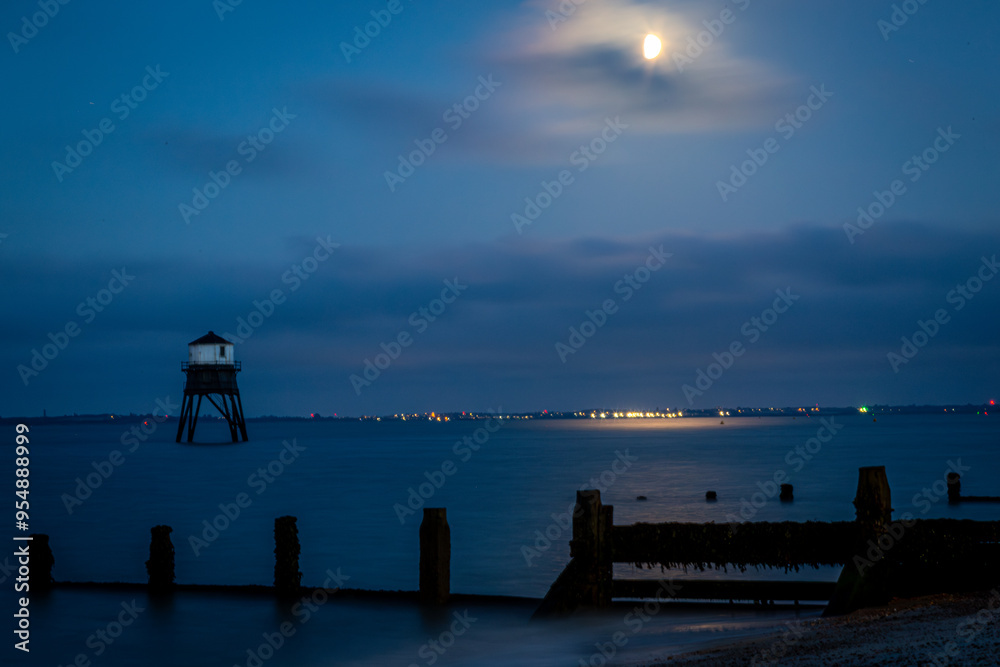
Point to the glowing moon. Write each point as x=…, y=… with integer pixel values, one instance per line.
x=651, y=47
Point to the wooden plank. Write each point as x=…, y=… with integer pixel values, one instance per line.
x=780, y=545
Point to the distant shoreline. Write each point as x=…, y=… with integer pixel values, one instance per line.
x=604, y=414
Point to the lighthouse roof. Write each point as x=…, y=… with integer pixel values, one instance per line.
x=211, y=338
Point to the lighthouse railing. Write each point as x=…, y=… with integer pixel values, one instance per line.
x=229, y=365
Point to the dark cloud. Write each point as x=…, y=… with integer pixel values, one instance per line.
x=558, y=86
x=193, y=151
x=568, y=74
x=378, y=107
x=606, y=80
x=523, y=295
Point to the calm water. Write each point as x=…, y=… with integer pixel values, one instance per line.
x=345, y=478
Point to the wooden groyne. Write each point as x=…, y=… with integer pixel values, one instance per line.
x=881, y=558
x=434, y=567
x=955, y=492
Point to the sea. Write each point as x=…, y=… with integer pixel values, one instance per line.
x=357, y=489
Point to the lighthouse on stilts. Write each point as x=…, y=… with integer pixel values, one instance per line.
x=211, y=371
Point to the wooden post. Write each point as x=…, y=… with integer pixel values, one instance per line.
x=865, y=583
x=287, y=578
x=587, y=581
x=40, y=578
x=604, y=556
x=435, y=556
x=160, y=566
x=591, y=548
x=954, y=487
x=873, y=501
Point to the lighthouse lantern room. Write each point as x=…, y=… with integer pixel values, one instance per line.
x=211, y=371
x=210, y=349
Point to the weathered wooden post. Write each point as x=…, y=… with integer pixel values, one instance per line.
x=591, y=548
x=40, y=577
x=287, y=578
x=605, y=553
x=435, y=556
x=864, y=580
x=954, y=487
x=160, y=566
x=587, y=580
x=873, y=501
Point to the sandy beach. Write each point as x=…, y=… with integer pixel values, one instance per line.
x=937, y=630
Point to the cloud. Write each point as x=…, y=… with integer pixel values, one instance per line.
x=571, y=73
x=560, y=82
x=378, y=106
x=192, y=150
x=496, y=343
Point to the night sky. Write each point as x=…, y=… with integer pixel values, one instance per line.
x=508, y=169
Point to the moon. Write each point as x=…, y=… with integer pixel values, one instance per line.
x=651, y=46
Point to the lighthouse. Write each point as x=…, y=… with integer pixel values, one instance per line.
x=211, y=371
